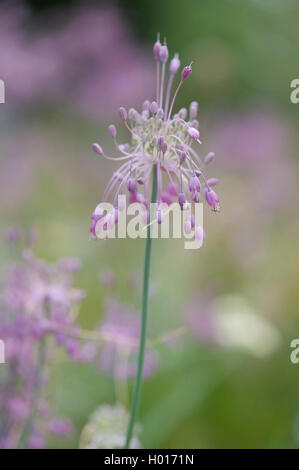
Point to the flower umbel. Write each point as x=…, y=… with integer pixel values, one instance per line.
x=160, y=142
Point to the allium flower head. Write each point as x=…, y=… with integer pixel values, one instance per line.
x=160, y=141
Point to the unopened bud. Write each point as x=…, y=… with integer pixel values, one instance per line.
x=194, y=184
x=193, y=133
x=193, y=110
x=133, y=114
x=181, y=200
x=212, y=199
x=112, y=130
x=154, y=107
x=183, y=113
x=174, y=65
x=97, y=149
x=156, y=49
x=122, y=113
x=131, y=185
x=209, y=157
x=163, y=54
x=186, y=72
x=146, y=105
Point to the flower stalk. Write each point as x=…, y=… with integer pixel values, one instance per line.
x=144, y=316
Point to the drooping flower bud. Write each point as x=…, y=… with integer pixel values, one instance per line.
x=174, y=65
x=112, y=130
x=186, y=71
x=193, y=133
x=212, y=199
x=122, y=113
x=131, y=185
x=193, y=110
x=163, y=54
x=194, y=184
x=182, y=200
x=97, y=149
x=209, y=157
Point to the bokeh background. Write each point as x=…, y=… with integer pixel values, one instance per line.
x=226, y=380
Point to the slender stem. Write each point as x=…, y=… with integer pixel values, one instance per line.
x=146, y=277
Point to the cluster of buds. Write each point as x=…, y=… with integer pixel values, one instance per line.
x=160, y=142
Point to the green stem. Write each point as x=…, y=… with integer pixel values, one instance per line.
x=146, y=277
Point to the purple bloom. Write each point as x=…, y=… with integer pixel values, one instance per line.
x=36, y=300
x=160, y=142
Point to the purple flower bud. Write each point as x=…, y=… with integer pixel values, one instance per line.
x=97, y=149
x=213, y=181
x=156, y=49
x=186, y=71
x=146, y=105
x=197, y=172
x=193, y=110
x=122, y=113
x=140, y=181
x=163, y=54
x=112, y=130
x=183, y=113
x=181, y=200
x=195, y=124
x=192, y=221
x=209, y=157
x=193, y=133
x=133, y=115
x=174, y=65
x=194, y=184
x=154, y=107
x=212, y=199
x=131, y=185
